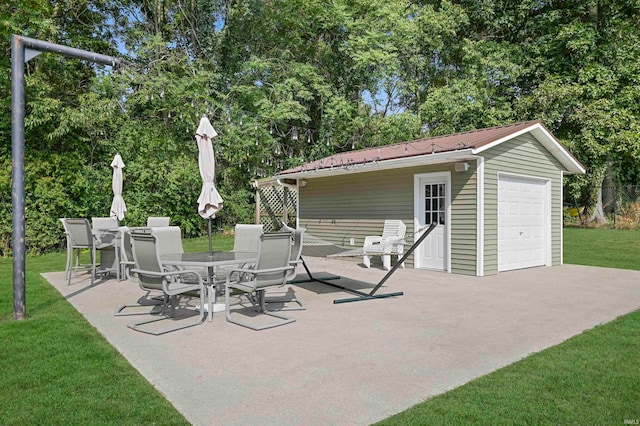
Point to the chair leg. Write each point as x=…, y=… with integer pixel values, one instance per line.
x=262, y=307
x=199, y=320
x=67, y=275
x=386, y=261
x=143, y=302
x=117, y=263
x=366, y=260
x=93, y=265
x=289, y=297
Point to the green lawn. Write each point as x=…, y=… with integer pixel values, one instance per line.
x=602, y=247
x=57, y=369
x=591, y=379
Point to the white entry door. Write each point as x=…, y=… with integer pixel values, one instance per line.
x=432, y=206
x=523, y=222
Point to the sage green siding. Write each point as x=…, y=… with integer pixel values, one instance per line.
x=338, y=208
x=464, y=223
x=525, y=156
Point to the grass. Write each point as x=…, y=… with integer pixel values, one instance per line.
x=602, y=247
x=57, y=369
x=589, y=379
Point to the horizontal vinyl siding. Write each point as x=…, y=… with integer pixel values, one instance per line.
x=464, y=221
x=340, y=231
x=337, y=208
x=382, y=195
x=523, y=155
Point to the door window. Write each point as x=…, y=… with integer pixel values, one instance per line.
x=434, y=203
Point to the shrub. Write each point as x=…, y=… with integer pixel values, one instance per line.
x=628, y=216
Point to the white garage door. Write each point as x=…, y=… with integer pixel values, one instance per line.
x=522, y=222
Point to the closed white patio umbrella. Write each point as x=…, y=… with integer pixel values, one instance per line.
x=210, y=201
x=118, y=206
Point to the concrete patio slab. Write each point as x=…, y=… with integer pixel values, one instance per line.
x=357, y=363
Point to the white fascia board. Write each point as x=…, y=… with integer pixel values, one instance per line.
x=548, y=141
x=396, y=163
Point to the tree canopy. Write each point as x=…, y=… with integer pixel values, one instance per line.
x=288, y=81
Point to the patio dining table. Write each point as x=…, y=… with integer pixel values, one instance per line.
x=210, y=261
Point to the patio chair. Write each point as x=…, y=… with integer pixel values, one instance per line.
x=107, y=236
x=294, y=260
x=153, y=277
x=246, y=238
x=390, y=243
x=168, y=240
x=126, y=253
x=272, y=269
x=79, y=237
x=158, y=221
x=100, y=224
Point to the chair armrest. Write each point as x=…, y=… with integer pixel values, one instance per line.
x=166, y=273
x=394, y=240
x=372, y=239
x=260, y=271
x=381, y=245
x=247, y=271
x=149, y=273
x=373, y=244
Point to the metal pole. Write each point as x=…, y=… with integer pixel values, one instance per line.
x=404, y=257
x=18, y=46
x=210, y=240
x=372, y=294
x=45, y=46
x=17, y=176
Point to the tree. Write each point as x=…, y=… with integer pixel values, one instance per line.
x=56, y=144
x=589, y=95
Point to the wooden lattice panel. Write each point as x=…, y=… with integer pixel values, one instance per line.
x=280, y=201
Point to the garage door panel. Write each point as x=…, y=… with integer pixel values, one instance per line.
x=522, y=207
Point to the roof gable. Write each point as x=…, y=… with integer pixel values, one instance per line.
x=439, y=149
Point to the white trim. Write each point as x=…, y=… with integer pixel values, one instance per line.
x=480, y=216
x=435, y=176
x=547, y=219
x=548, y=141
x=561, y=219
x=504, y=139
x=298, y=203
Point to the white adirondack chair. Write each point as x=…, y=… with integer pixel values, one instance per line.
x=391, y=242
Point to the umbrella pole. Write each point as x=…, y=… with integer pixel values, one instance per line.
x=210, y=239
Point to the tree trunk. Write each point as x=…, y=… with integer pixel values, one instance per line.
x=608, y=189
x=598, y=213
x=598, y=181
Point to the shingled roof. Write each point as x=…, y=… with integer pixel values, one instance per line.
x=435, y=149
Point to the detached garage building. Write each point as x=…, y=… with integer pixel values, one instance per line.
x=495, y=193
